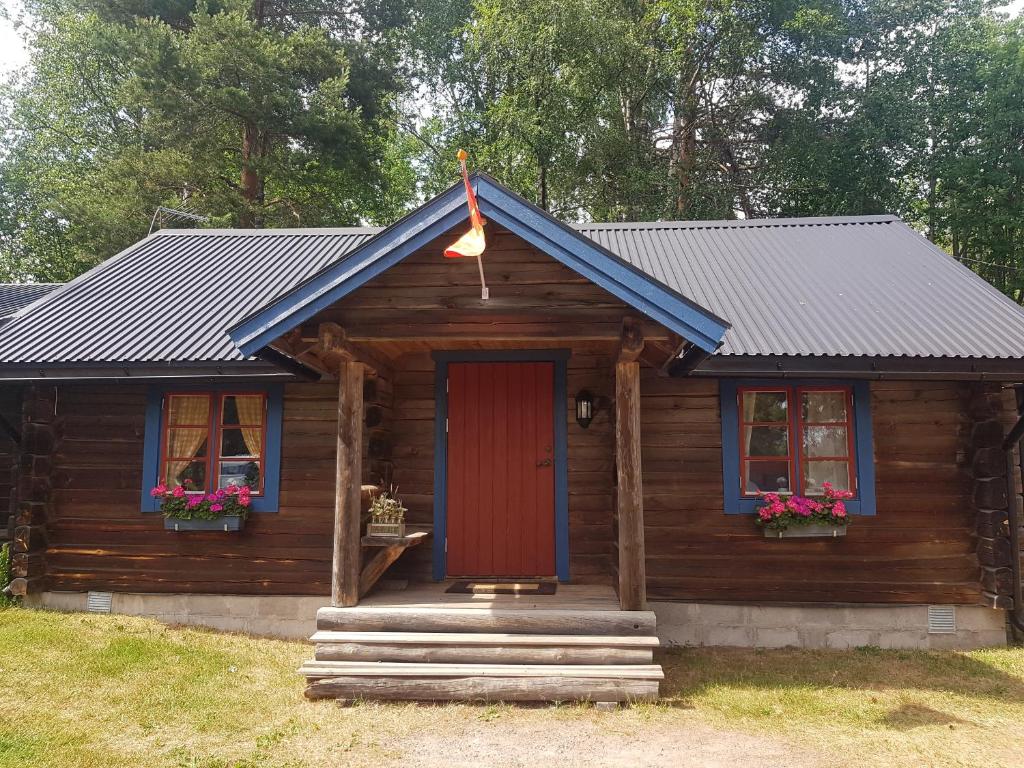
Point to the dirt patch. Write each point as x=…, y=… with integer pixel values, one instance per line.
x=606, y=741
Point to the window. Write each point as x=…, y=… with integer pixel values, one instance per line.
x=205, y=440
x=793, y=438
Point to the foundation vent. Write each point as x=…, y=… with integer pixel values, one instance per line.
x=98, y=602
x=941, y=619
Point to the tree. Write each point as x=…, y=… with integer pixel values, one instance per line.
x=246, y=112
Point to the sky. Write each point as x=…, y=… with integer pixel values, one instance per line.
x=13, y=54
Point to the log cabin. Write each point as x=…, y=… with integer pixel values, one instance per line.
x=582, y=455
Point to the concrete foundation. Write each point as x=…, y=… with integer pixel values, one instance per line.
x=286, y=616
x=679, y=624
x=824, y=626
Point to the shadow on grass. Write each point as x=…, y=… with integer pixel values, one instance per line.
x=910, y=716
x=691, y=672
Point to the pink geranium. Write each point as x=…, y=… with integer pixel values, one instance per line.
x=178, y=492
x=779, y=512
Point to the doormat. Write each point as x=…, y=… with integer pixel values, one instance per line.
x=503, y=588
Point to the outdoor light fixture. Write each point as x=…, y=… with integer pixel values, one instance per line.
x=584, y=408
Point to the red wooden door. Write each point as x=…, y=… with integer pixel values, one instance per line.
x=501, y=475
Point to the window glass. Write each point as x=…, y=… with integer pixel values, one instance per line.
x=765, y=476
x=823, y=407
x=826, y=441
x=190, y=474
x=766, y=441
x=815, y=473
x=765, y=407
x=193, y=410
x=239, y=473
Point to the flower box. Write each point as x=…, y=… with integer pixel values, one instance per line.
x=226, y=523
x=385, y=530
x=812, y=531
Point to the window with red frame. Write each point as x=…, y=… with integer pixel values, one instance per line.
x=794, y=439
x=212, y=440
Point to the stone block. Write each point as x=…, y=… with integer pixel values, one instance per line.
x=735, y=636
x=845, y=639
x=774, y=637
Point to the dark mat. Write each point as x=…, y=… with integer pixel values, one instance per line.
x=503, y=588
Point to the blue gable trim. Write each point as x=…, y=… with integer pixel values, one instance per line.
x=269, y=501
x=579, y=253
x=863, y=435
x=560, y=358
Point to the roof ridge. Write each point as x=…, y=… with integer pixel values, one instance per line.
x=272, y=231
x=799, y=221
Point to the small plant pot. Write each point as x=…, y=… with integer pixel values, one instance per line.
x=385, y=530
x=226, y=523
x=812, y=531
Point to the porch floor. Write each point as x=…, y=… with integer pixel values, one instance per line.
x=568, y=597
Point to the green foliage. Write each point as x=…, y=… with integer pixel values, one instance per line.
x=5, y=574
x=283, y=113
x=253, y=120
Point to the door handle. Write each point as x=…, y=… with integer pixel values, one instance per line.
x=544, y=463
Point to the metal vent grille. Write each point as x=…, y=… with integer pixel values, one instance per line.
x=99, y=602
x=941, y=619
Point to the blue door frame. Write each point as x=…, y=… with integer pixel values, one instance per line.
x=441, y=360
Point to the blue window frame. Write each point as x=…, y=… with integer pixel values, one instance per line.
x=270, y=471
x=739, y=497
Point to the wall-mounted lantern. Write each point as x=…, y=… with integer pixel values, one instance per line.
x=584, y=408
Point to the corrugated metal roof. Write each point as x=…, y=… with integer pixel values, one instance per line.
x=864, y=286
x=14, y=296
x=171, y=297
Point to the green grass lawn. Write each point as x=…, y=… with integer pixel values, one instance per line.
x=85, y=690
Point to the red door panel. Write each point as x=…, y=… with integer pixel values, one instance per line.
x=501, y=474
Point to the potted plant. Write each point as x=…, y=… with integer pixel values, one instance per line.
x=783, y=516
x=387, y=516
x=223, y=510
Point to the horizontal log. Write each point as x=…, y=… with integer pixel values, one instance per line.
x=483, y=689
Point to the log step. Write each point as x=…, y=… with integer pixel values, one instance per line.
x=459, y=648
x=474, y=688
x=482, y=638
x=489, y=620
x=325, y=669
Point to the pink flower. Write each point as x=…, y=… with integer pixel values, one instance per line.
x=216, y=507
x=159, y=490
x=220, y=493
x=178, y=492
x=245, y=501
x=194, y=501
x=232, y=489
x=839, y=510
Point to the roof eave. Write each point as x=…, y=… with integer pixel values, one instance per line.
x=862, y=367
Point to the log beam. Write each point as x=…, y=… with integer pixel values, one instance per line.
x=629, y=498
x=347, y=561
x=631, y=340
x=334, y=345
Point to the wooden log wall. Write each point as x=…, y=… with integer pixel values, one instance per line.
x=991, y=494
x=98, y=538
x=10, y=410
x=41, y=429
x=919, y=548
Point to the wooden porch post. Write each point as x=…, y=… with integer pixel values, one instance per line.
x=348, y=487
x=630, y=504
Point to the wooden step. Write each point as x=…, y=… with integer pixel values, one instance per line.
x=464, y=647
x=318, y=669
x=482, y=682
x=470, y=688
x=487, y=620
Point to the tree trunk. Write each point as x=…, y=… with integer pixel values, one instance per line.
x=254, y=143
x=684, y=143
